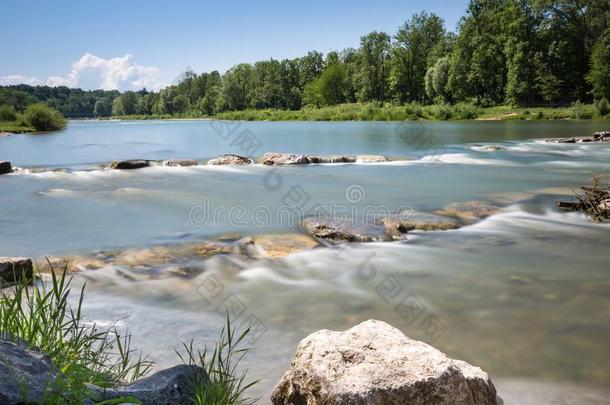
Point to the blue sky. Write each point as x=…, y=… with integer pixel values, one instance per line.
x=125, y=44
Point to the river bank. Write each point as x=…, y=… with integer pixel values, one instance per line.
x=413, y=112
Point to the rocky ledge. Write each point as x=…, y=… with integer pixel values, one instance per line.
x=180, y=162
x=12, y=269
x=230, y=160
x=376, y=364
x=27, y=375
x=129, y=164
x=603, y=136
x=5, y=167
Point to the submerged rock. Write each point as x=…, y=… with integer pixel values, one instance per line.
x=337, y=230
x=25, y=374
x=129, y=164
x=5, y=167
x=209, y=249
x=13, y=269
x=282, y=245
x=597, y=137
x=230, y=160
x=396, y=225
x=376, y=364
x=180, y=162
x=371, y=159
x=271, y=159
x=332, y=159
x=469, y=211
x=171, y=386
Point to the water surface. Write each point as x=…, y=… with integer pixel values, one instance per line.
x=525, y=294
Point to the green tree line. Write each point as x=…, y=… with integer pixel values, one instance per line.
x=518, y=52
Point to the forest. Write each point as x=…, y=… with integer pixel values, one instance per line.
x=504, y=52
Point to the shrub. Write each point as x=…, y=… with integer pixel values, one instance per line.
x=465, y=111
x=442, y=112
x=43, y=118
x=7, y=113
x=602, y=106
x=582, y=112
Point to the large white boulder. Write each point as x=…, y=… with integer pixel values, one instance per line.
x=376, y=364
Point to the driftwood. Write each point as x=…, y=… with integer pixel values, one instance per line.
x=595, y=201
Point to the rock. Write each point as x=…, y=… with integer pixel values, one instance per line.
x=605, y=205
x=209, y=249
x=376, y=364
x=487, y=148
x=371, y=159
x=13, y=269
x=180, y=162
x=70, y=263
x=277, y=246
x=230, y=160
x=271, y=159
x=469, y=211
x=602, y=136
x=144, y=257
x=337, y=230
x=129, y=164
x=397, y=225
x=25, y=374
x=5, y=167
x=332, y=159
x=171, y=386
x=597, y=137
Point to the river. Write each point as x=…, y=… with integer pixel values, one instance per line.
x=524, y=293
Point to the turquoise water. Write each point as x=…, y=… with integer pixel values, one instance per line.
x=525, y=294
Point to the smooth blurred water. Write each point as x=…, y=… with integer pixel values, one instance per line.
x=524, y=294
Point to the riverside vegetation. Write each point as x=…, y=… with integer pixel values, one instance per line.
x=41, y=317
x=505, y=58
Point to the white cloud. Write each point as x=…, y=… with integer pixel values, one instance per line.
x=93, y=72
x=19, y=79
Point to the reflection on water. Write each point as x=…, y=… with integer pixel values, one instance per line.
x=525, y=294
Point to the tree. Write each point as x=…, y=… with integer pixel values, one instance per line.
x=329, y=88
x=180, y=104
x=415, y=41
x=237, y=87
x=372, y=76
x=599, y=76
x=117, y=106
x=102, y=108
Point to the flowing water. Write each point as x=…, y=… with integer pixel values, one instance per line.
x=524, y=294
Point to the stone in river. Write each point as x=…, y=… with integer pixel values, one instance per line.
x=5, y=167
x=338, y=230
x=376, y=364
x=129, y=164
x=396, y=225
x=271, y=159
x=281, y=245
x=230, y=160
x=469, y=211
x=371, y=159
x=332, y=159
x=13, y=269
x=180, y=162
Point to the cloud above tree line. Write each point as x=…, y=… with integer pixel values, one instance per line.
x=92, y=72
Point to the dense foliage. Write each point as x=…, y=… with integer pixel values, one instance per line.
x=43, y=118
x=520, y=52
